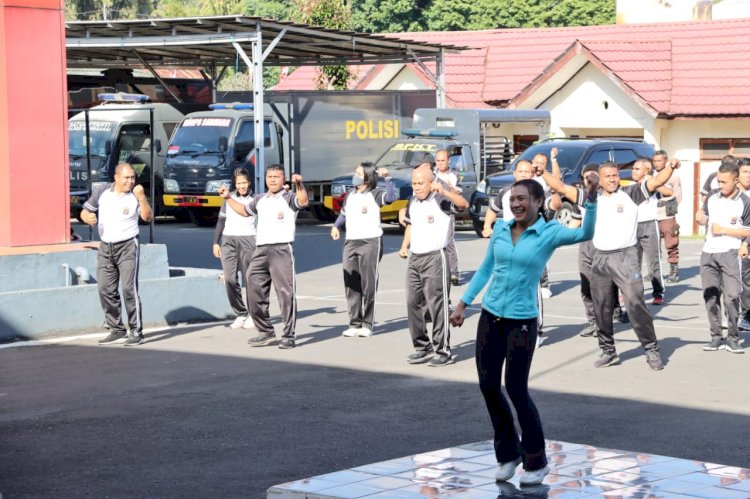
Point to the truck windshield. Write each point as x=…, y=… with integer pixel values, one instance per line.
x=400, y=154
x=200, y=135
x=99, y=131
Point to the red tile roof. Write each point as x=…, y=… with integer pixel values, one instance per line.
x=676, y=69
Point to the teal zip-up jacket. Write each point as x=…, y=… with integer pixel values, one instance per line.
x=515, y=270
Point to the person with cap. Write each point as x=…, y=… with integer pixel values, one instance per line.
x=428, y=216
x=363, y=249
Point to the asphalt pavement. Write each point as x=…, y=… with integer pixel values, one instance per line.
x=197, y=412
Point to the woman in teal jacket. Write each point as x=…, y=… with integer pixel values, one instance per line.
x=507, y=330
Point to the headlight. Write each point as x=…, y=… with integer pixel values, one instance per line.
x=338, y=189
x=482, y=186
x=214, y=185
x=171, y=186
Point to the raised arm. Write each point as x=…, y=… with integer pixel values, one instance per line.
x=663, y=176
x=301, y=192
x=233, y=203
x=557, y=185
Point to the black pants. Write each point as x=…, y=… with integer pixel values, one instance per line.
x=236, y=255
x=118, y=262
x=361, y=259
x=510, y=343
x=745, y=295
x=427, y=290
x=721, y=275
x=273, y=263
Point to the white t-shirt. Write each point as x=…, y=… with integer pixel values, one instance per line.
x=118, y=213
x=617, y=217
x=430, y=221
x=276, y=217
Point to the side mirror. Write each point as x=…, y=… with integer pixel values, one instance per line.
x=157, y=145
x=108, y=148
x=223, y=144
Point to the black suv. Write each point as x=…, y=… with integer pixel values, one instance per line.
x=572, y=156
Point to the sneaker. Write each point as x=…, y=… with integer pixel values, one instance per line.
x=262, y=339
x=505, y=471
x=113, y=336
x=624, y=317
x=744, y=324
x=364, y=332
x=420, y=357
x=135, y=339
x=533, y=477
x=546, y=293
x=607, y=359
x=441, y=360
x=287, y=343
x=658, y=300
x=539, y=340
x=653, y=359
x=238, y=322
x=350, y=332
x=455, y=280
x=248, y=324
x=733, y=345
x=589, y=330
x=716, y=343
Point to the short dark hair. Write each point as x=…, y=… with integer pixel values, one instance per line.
x=743, y=162
x=535, y=189
x=591, y=167
x=661, y=152
x=729, y=167
x=608, y=164
x=369, y=175
x=275, y=168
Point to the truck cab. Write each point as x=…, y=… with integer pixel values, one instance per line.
x=119, y=130
x=205, y=149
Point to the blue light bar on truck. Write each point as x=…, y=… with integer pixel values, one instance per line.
x=123, y=97
x=442, y=134
x=233, y=105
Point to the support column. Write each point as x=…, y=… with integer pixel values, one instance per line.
x=34, y=201
x=258, y=111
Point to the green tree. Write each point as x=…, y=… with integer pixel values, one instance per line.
x=389, y=16
x=86, y=10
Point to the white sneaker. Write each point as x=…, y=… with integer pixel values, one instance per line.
x=505, y=471
x=546, y=293
x=238, y=322
x=364, y=332
x=533, y=477
x=248, y=324
x=350, y=332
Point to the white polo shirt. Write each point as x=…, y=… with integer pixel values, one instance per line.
x=430, y=220
x=118, y=213
x=362, y=212
x=448, y=178
x=276, y=217
x=733, y=213
x=235, y=224
x=617, y=217
x=647, y=209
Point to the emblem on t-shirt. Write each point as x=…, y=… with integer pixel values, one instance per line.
x=364, y=210
x=733, y=221
x=430, y=219
x=280, y=215
x=126, y=211
x=620, y=208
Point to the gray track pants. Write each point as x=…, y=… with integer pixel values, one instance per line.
x=116, y=263
x=450, y=249
x=720, y=274
x=360, y=262
x=622, y=269
x=649, y=245
x=745, y=295
x=236, y=255
x=273, y=263
x=427, y=289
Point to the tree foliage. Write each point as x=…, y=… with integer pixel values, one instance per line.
x=389, y=16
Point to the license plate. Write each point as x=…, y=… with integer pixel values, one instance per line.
x=190, y=199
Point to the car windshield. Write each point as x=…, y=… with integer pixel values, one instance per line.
x=199, y=135
x=568, y=154
x=400, y=154
x=99, y=132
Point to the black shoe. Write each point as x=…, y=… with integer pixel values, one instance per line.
x=624, y=317
x=262, y=339
x=455, y=280
x=134, y=339
x=674, y=273
x=606, y=360
x=113, y=336
x=441, y=360
x=717, y=343
x=287, y=343
x=420, y=357
x=589, y=330
x=733, y=345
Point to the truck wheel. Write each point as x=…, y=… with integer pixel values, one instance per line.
x=322, y=213
x=478, y=227
x=203, y=217
x=565, y=214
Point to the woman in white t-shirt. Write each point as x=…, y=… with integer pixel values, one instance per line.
x=234, y=243
x=363, y=249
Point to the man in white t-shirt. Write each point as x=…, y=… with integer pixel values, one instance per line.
x=444, y=174
x=115, y=208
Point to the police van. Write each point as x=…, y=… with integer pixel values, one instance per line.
x=115, y=131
